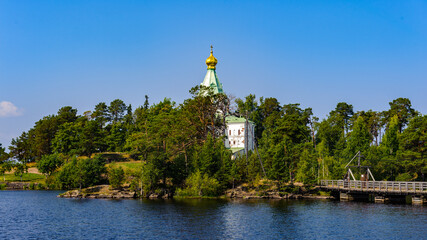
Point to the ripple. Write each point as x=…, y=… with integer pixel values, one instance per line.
x=40, y=215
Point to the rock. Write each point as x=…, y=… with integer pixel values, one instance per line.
x=100, y=191
x=153, y=196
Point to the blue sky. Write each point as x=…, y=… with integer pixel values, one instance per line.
x=316, y=53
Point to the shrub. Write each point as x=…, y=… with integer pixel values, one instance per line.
x=404, y=177
x=81, y=173
x=49, y=163
x=198, y=185
x=116, y=176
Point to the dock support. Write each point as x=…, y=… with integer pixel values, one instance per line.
x=346, y=197
x=381, y=199
x=418, y=200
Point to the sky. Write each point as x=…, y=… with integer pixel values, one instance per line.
x=316, y=53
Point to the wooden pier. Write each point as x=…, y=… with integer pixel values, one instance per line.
x=381, y=191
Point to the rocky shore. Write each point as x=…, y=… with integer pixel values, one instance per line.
x=264, y=190
x=19, y=185
x=105, y=191
x=244, y=192
x=100, y=191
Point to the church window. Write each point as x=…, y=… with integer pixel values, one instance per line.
x=230, y=132
x=238, y=133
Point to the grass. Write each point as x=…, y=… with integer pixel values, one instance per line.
x=26, y=177
x=322, y=193
x=127, y=165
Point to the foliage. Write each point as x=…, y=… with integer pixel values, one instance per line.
x=81, y=173
x=150, y=175
x=48, y=164
x=116, y=176
x=181, y=146
x=200, y=185
x=5, y=164
x=405, y=177
x=20, y=169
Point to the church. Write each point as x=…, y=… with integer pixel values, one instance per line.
x=236, y=130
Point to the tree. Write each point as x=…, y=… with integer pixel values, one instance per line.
x=117, y=137
x=283, y=147
x=81, y=173
x=116, y=176
x=414, y=137
x=390, y=139
x=343, y=112
x=146, y=104
x=66, y=114
x=41, y=135
x=101, y=114
x=402, y=108
x=198, y=184
x=3, y=154
x=48, y=164
x=359, y=139
x=307, y=167
x=149, y=177
x=5, y=164
x=268, y=110
x=332, y=131
x=20, y=168
x=117, y=109
x=208, y=158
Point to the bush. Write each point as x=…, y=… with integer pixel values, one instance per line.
x=3, y=186
x=49, y=163
x=200, y=186
x=116, y=176
x=404, y=177
x=81, y=173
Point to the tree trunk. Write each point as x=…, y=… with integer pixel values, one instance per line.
x=186, y=161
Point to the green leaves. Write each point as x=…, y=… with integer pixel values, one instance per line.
x=81, y=173
x=116, y=176
x=200, y=185
x=48, y=164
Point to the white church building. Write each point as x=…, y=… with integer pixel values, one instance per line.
x=236, y=130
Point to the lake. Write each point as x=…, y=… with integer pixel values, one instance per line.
x=41, y=215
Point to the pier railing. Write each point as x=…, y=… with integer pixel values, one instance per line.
x=376, y=186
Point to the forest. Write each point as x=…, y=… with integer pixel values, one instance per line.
x=181, y=146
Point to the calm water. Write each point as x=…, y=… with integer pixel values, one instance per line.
x=40, y=215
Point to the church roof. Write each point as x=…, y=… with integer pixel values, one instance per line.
x=234, y=119
x=211, y=79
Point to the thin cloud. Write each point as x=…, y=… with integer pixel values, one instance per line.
x=8, y=109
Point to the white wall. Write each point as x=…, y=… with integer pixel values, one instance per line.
x=236, y=135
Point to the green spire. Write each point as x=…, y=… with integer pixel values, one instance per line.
x=211, y=79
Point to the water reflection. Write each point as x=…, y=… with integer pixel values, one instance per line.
x=40, y=215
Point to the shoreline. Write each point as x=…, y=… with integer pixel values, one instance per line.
x=105, y=192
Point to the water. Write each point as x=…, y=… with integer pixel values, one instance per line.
x=40, y=215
